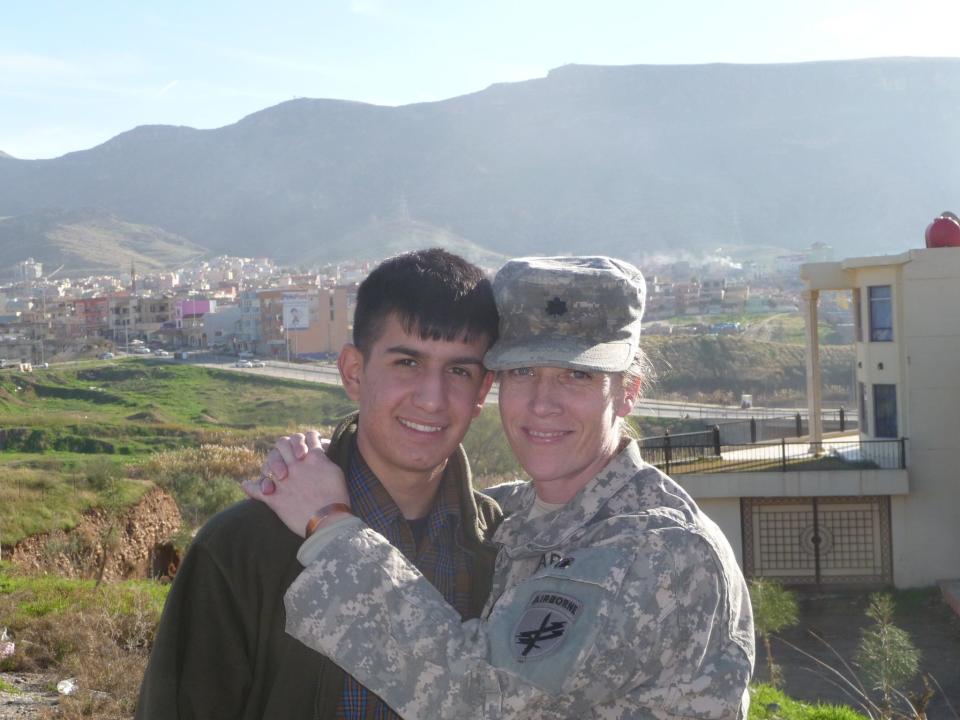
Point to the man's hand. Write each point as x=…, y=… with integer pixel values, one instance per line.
x=309, y=481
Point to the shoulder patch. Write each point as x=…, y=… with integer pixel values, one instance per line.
x=544, y=624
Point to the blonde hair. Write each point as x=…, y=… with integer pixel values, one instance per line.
x=636, y=380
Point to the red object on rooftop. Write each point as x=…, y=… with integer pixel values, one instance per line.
x=944, y=231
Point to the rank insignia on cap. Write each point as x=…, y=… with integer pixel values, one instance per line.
x=556, y=307
x=543, y=625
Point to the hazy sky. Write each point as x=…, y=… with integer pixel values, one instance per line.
x=74, y=74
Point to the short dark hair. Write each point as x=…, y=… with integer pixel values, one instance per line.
x=433, y=292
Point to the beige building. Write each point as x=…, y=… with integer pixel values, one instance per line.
x=908, y=386
x=877, y=508
x=329, y=327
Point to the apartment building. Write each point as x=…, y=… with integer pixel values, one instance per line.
x=329, y=322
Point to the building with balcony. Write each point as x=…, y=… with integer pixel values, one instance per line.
x=879, y=506
x=907, y=343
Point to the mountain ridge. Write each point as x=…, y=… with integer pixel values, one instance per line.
x=627, y=160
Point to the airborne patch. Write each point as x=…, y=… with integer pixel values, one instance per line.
x=543, y=625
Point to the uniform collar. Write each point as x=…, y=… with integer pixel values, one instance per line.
x=520, y=536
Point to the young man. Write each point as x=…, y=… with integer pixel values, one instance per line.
x=422, y=325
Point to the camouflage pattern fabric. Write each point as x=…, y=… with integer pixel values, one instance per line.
x=577, y=312
x=625, y=603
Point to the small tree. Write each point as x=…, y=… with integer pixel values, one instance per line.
x=886, y=653
x=774, y=608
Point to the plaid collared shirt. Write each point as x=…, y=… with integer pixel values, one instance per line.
x=440, y=558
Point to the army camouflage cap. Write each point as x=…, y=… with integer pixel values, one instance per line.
x=578, y=312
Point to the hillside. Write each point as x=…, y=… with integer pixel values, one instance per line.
x=88, y=242
x=65, y=431
x=621, y=160
x=726, y=366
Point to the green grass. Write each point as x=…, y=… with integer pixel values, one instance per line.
x=38, y=501
x=29, y=597
x=768, y=703
x=721, y=368
x=8, y=688
x=164, y=398
x=67, y=429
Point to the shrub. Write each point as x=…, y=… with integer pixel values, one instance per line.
x=886, y=653
x=774, y=608
x=102, y=473
x=202, y=480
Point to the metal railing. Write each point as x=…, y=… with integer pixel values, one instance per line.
x=692, y=457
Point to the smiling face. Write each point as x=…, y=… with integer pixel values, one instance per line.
x=562, y=424
x=416, y=399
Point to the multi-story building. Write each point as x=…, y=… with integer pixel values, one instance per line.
x=248, y=329
x=878, y=506
x=908, y=385
x=30, y=269
x=329, y=324
x=92, y=316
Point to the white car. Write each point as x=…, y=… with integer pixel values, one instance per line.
x=257, y=363
x=161, y=353
x=243, y=364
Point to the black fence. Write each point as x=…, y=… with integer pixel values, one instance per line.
x=759, y=429
x=689, y=453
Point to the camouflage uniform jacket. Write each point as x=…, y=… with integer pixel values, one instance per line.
x=625, y=603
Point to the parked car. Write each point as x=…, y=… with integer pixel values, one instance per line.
x=106, y=356
x=161, y=353
x=243, y=364
x=257, y=363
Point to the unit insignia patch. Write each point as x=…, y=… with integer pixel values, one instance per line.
x=543, y=625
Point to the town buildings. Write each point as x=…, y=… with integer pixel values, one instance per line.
x=227, y=304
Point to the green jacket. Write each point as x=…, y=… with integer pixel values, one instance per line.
x=221, y=650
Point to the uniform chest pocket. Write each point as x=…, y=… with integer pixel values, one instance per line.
x=545, y=629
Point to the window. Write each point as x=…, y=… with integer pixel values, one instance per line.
x=862, y=409
x=885, y=411
x=857, y=315
x=881, y=314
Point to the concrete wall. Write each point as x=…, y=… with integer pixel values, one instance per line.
x=806, y=483
x=725, y=512
x=930, y=330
